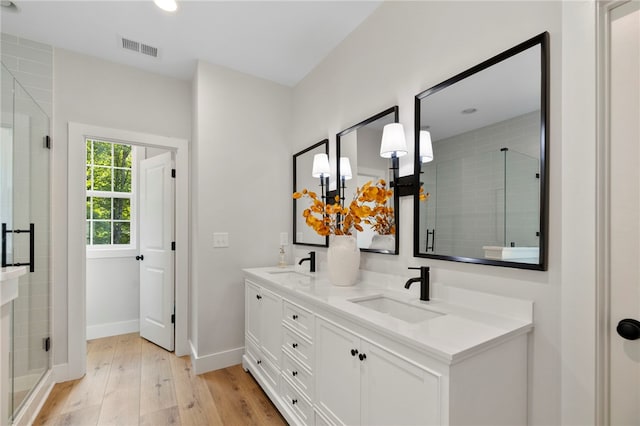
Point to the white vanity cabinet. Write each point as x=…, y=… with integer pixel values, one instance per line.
x=263, y=335
x=324, y=359
x=359, y=382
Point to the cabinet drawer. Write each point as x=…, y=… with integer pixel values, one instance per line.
x=298, y=375
x=297, y=403
x=299, y=319
x=298, y=347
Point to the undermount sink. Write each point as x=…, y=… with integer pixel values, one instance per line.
x=285, y=272
x=287, y=275
x=397, y=309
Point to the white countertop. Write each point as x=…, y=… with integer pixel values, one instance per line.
x=9, y=282
x=471, y=320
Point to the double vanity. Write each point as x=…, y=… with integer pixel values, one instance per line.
x=376, y=354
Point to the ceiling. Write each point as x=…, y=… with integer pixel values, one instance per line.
x=280, y=41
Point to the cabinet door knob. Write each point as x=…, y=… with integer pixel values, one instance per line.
x=294, y=401
x=294, y=373
x=259, y=362
x=294, y=345
x=354, y=352
x=362, y=357
x=295, y=317
x=258, y=297
x=629, y=329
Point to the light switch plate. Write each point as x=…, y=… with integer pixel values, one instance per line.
x=284, y=238
x=220, y=239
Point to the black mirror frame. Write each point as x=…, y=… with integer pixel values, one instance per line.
x=324, y=142
x=542, y=40
x=395, y=110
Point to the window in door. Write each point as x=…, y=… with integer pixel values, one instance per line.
x=110, y=195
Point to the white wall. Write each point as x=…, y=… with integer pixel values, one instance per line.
x=241, y=182
x=402, y=49
x=578, y=180
x=100, y=93
x=113, y=296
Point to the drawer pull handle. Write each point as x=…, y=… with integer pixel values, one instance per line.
x=294, y=373
x=294, y=401
x=354, y=352
x=294, y=345
x=259, y=362
x=295, y=317
x=362, y=357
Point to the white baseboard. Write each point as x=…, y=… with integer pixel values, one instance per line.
x=61, y=373
x=212, y=362
x=112, y=329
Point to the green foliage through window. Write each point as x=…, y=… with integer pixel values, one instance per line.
x=109, y=175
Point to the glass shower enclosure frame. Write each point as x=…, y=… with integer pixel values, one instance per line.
x=25, y=217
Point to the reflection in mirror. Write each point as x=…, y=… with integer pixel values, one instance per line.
x=360, y=145
x=302, y=178
x=487, y=179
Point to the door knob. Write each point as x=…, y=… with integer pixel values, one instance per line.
x=629, y=329
x=141, y=257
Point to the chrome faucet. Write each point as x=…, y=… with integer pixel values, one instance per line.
x=312, y=261
x=424, y=282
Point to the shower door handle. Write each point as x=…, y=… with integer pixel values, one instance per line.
x=32, y=236
x=433, y=239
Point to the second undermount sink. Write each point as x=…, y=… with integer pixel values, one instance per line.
x=396, y=308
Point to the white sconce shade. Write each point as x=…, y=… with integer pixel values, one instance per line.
x=345, y=168
x=426, y=149
x=393, y=141
x=320, y=166
x=167, y=5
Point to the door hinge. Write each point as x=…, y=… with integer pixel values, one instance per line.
x=46, y=344
x=173, y=245
x=173, y=173
x=47, y=142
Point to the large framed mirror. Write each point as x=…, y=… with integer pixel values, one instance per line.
x=302, y=178
x=488, y=177
x=360, y=144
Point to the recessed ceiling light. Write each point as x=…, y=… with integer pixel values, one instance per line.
x=469, y=111
x=168, y=5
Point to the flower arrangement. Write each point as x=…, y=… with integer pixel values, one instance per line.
x=368, y=206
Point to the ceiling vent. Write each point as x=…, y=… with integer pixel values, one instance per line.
x=136, y=46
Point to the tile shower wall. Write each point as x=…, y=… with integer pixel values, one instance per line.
x=31, y=63
x=469, y=190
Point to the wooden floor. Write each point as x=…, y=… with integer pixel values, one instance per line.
x=130, y=381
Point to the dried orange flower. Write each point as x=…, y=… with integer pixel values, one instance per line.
x=369, y=206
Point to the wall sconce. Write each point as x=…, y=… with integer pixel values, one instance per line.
x=321, y=169
x=393, y=145
x=345, y=175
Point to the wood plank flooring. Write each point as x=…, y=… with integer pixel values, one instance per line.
x=131, y=381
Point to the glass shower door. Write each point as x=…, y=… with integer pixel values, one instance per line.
x=25, y=217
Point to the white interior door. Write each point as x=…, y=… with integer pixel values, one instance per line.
x=625, y=215
x=156, y=255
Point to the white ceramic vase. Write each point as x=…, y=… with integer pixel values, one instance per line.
x=383, y=242
x=343, y=257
